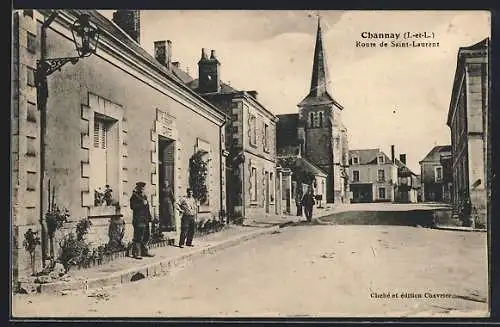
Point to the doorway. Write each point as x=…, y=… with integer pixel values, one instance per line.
x=166, y=157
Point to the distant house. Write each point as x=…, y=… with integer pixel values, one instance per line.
x=373, y=176
x=469, y=119
x=407, y=184
x=435, y=188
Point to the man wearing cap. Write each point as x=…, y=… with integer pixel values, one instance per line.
x=189, y=208
x=140, y=221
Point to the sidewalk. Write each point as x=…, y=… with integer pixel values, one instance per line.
x=125, y=270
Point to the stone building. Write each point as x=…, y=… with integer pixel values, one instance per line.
x=254, y=181
x=469, y=120
x=318, y=129
x=373, y=176
x=114, y=118
x=434, y=186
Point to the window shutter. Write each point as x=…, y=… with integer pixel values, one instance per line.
x=104, y=131
x=96, y=133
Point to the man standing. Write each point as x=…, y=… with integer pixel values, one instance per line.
x=140, y=221
x=308, y=203
x=189, y=209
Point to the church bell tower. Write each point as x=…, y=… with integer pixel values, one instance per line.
x=323, y=136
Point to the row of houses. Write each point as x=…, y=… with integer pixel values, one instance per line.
x=461, y=172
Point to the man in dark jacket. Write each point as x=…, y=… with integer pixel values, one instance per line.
x=140, y=221
x=308, y=203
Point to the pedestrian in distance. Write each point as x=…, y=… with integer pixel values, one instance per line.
x=298, y=202
x=189, y=209
x=141, y=218
x=308, y=202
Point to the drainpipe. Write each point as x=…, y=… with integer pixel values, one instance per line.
x=222, y=171
x=42, y=95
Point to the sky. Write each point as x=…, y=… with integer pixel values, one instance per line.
x=391, y=96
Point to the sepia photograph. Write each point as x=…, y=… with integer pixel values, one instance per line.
x=250, y=163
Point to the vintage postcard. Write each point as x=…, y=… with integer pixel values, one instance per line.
x=252, y=163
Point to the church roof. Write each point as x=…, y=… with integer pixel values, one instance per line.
x=318, y=93
x=298, y=161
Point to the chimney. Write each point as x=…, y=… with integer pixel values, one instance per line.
x=130, y=22
x=212, y=55
x=392, y=153
x=208, y=73
x=253, y=94
x=176, y=64
x=169, y=54
x=402, y=158
x=163, y=52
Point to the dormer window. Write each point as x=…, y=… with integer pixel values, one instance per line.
x=380, y=159
x=355, y=160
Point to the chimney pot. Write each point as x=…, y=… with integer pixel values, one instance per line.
x=402, y=158
x=203, y=53
x=212, y=54
x=176, y=64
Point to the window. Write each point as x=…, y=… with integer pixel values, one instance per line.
x=253, y=129
x=30, y=79
x=355, y=160
x=381, y=175
x=253, y=177
x=381, y=193
x=311, y=119
x=320, y=124
x=32, y=112
x=380, y=160
x=31, y=42
x=438, y=174
x=271, y=187
x=355, y=176
x=266, y=136
x=99, y=156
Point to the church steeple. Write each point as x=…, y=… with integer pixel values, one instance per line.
x=319, y=77
x=318, y=93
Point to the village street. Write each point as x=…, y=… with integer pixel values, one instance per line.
x=306, y=271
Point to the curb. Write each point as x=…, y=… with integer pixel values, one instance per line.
x=158, y=268
x=460, y=229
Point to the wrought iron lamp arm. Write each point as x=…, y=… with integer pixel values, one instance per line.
x=46, y=67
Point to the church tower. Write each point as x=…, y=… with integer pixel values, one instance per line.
x=321, y=132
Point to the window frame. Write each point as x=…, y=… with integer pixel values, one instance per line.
x=253, y=183
x=383, y=179
x=382, y=189
x=436, y=169
x=354, y=179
